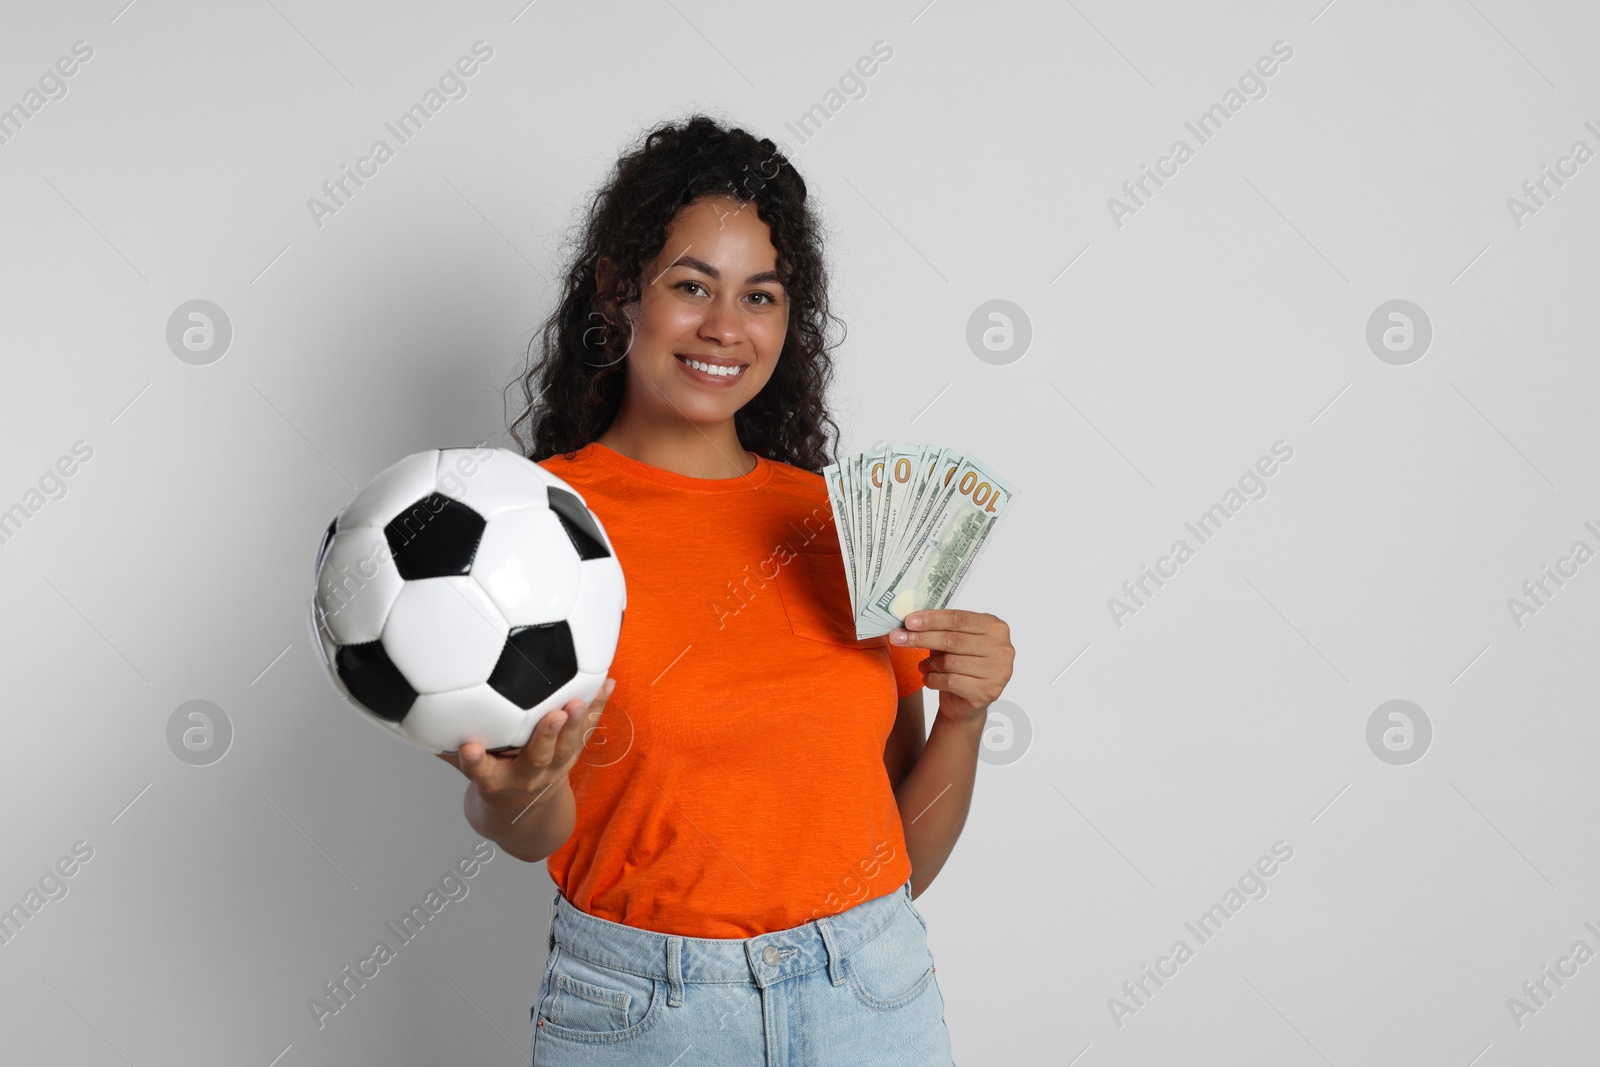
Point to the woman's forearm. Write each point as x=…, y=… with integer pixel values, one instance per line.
x=526, y=827
x=936, y=795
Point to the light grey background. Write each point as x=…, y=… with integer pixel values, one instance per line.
x=1167, y=354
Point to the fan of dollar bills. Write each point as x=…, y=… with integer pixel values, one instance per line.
x=911, y=521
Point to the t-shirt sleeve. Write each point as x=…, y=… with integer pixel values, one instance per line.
x=908, y=679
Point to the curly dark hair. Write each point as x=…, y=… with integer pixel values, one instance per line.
x=573, y=388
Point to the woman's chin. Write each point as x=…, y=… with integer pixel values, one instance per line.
x=693, y=404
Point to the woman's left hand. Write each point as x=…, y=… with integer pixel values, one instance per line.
x=971, y=661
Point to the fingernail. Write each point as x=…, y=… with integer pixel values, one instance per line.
x=899, y=637
x=611, y=683
x=914, y=621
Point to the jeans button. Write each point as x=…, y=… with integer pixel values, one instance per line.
x=769, y=956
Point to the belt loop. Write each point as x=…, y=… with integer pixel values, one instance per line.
x=674, y=971
x=835, y=957
x=553, y=901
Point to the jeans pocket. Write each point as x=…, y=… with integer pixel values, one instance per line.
x=587, y=1002
x=895, y=967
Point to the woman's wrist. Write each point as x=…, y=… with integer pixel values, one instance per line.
x=527, y=826
x=966, y=720
x=497, y=805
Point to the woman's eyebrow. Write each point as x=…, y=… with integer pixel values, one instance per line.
x=705, y=268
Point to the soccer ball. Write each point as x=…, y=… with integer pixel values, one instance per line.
x=464, y=593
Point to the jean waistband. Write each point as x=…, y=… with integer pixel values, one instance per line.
x=761, y=960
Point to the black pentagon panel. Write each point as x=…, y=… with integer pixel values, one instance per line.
x=578, y=523
x=434, y=537
x=536, y=661
x=322, y=549
x=374, y=680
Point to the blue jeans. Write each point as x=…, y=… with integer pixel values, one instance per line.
x=857, y=988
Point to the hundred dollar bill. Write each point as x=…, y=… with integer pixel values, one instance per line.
x=971, y=557
x=865, y=496
x=833, y=478
x=912, y=522
x=938, y=466
x=857, y=518
x=961, y=513
x=896, y=473
x=935, y=500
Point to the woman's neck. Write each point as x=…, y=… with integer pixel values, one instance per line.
x=689, y=449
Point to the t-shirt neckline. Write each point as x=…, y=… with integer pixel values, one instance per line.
x=739, y=483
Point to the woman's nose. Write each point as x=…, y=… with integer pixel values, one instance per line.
x=724, y=323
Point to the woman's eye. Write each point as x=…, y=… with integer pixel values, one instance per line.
x=687, y=286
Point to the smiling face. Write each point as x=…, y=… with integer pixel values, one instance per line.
x=713, y=297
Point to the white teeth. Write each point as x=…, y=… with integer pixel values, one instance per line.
x=711, y=369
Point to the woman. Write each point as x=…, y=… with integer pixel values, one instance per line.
x=738, y=843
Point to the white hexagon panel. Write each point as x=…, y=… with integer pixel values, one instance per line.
x=528, y=565
x=356, y=587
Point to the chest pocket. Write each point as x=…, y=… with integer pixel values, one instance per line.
x=817, y=600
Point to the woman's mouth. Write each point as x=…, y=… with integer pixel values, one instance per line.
x=710, y=373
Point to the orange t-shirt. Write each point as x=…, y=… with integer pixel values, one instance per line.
x=736, y=784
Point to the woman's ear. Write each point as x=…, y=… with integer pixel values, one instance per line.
x=606, y=295
x=604, y=272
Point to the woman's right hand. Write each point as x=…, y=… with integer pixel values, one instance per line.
x=529, y=774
